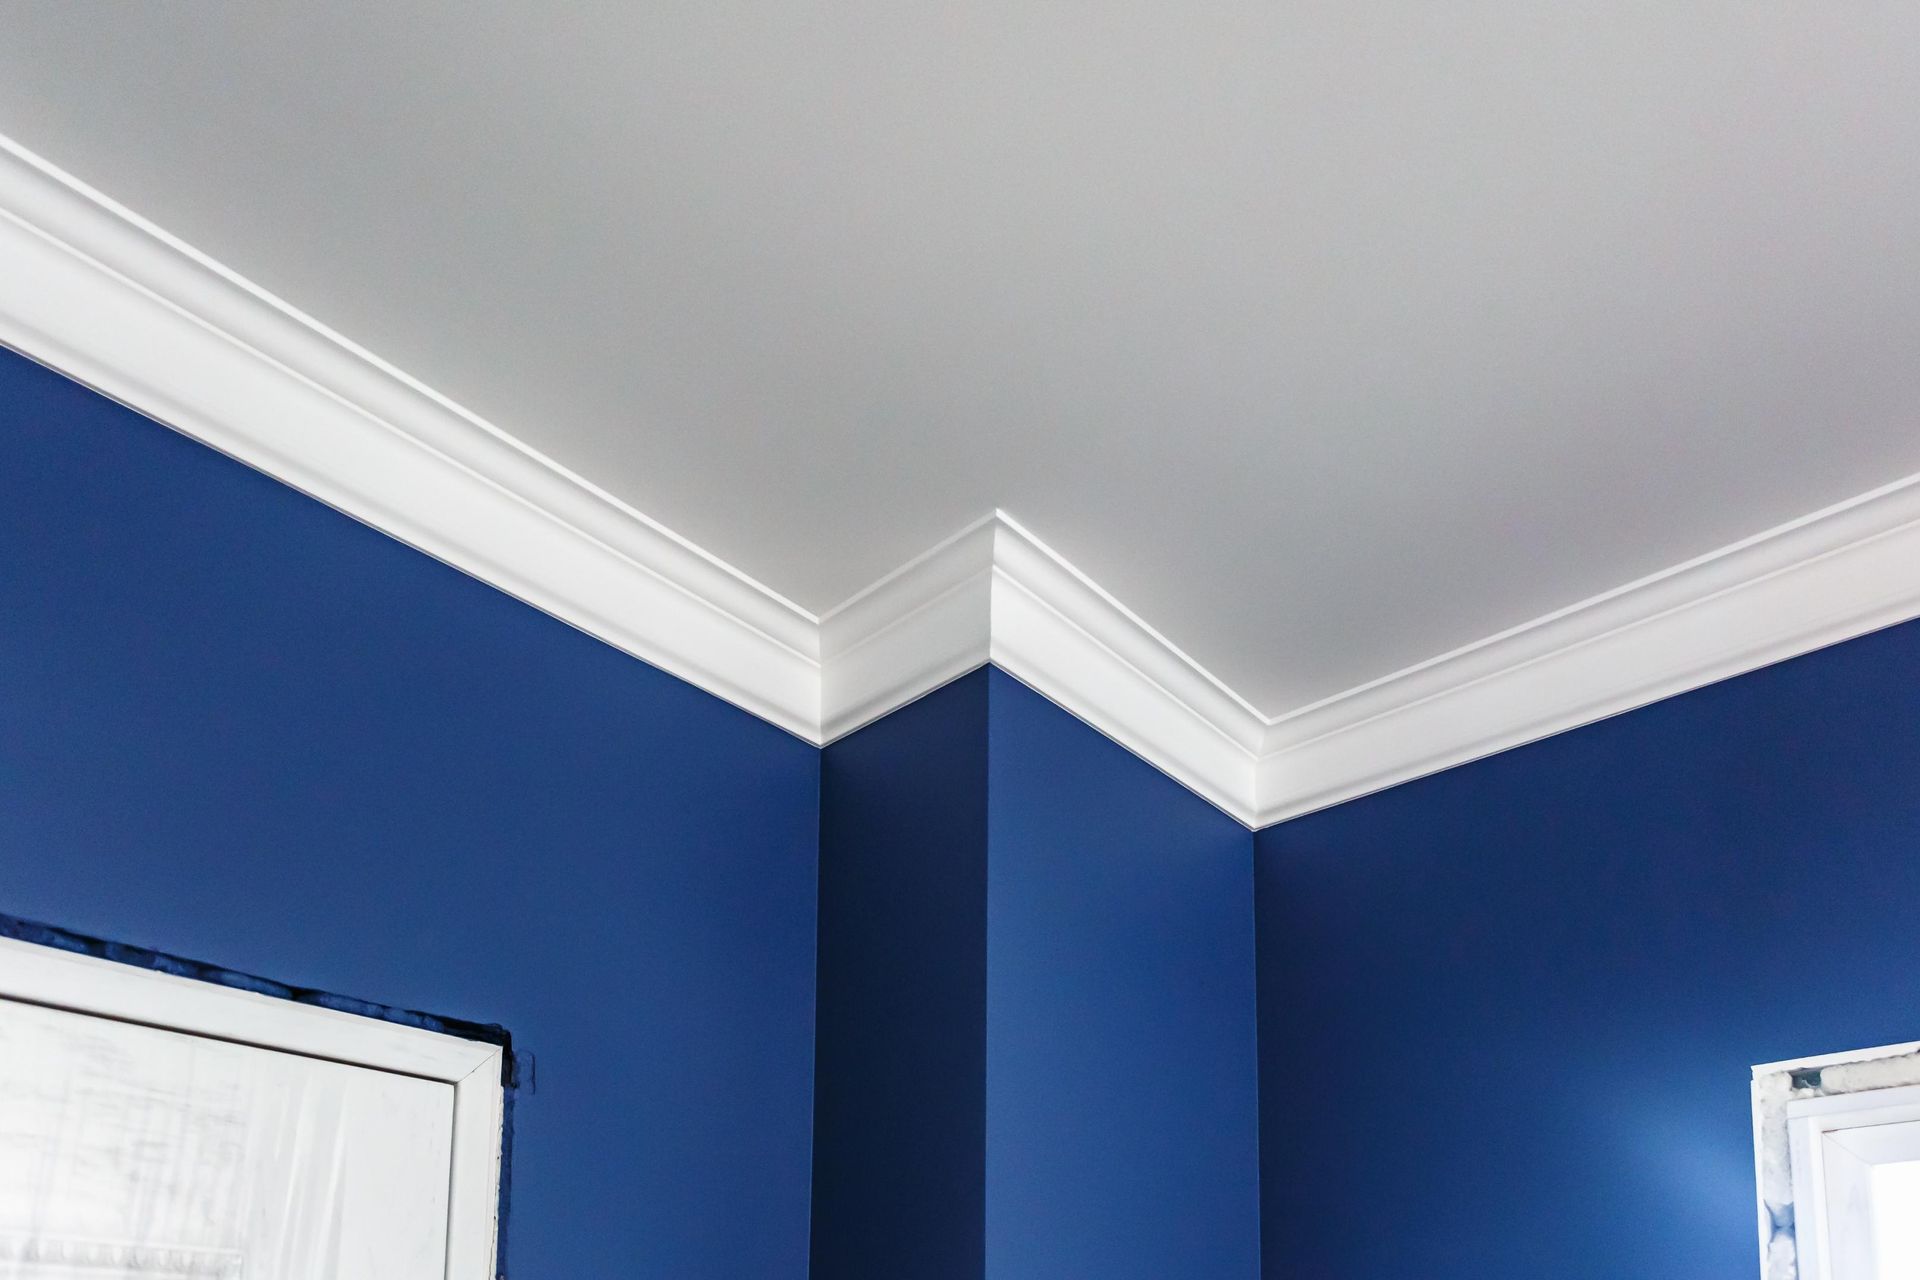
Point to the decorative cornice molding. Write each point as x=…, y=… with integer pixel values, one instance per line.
x=922, y=625
x=99, y=294
x=1829, y=576
x=94, y=291
x=1056, y=630
x=995, y=593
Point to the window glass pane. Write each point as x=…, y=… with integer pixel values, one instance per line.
x=129, y=1152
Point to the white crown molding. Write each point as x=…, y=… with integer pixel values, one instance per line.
x=1057, y=631
x=97, y=293
x=92, y=290
x=922, y=625
x=995, y=593
x=1829, y=576
x=101, y=295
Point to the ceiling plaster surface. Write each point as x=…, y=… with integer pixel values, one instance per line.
x=1327, y=336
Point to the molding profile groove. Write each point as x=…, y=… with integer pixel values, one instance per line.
x=95, y=292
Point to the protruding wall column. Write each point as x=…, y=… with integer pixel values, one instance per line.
x=1036, y=1052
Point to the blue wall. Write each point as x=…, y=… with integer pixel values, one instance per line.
x=1121, y=1062
x=238, y=726
x=1508, y=1011
x=899, y=1112
x=1037, y=1040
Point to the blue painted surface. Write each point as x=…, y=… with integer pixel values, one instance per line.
x=1037, y=1028
x=899, y=1107
x=1507, y=1012
x=1121, y=1062
x=237, y=726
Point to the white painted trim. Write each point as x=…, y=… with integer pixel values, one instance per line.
x=1819, y=1125
x=96, y=292
x=1835, y=1144
x=473, y=1202
x=42, y=975
x=1826, y=577
x=1057, y=631
x=917, y=628
x=1794, y=1103
x=995, y=593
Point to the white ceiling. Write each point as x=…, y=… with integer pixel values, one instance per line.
x=1328, y=337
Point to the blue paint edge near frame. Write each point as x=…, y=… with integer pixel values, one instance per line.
x=516, y=1068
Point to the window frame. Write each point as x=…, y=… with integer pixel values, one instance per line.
x=32, y=973
x=1797, y=1103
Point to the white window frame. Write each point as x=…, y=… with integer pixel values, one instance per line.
x=1797, y=1105
x=34, y=974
